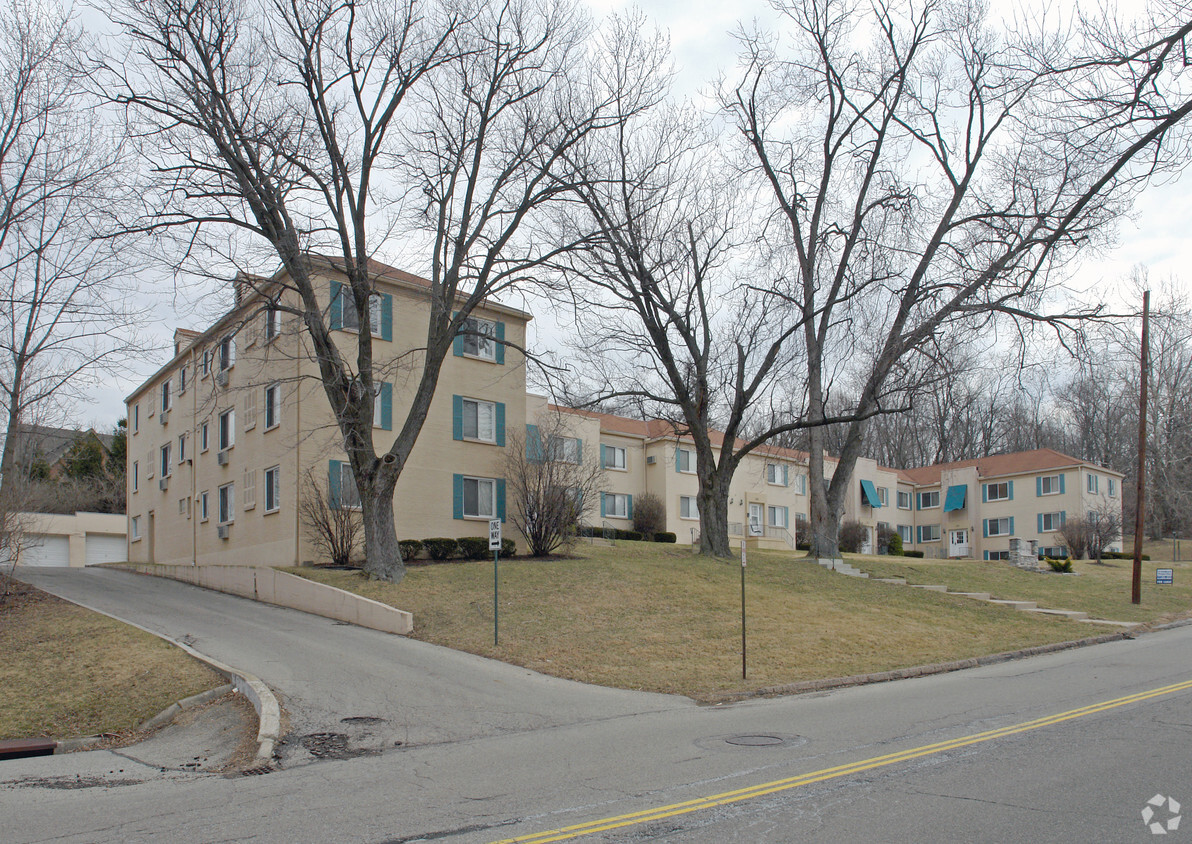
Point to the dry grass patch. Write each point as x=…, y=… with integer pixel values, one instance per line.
x=67, y=671
x=656, y=618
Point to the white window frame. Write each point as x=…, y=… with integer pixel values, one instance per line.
x=776, y=516
x=272, y=322
x=136, y=472
x=613, y=452
x=272, y=489
x=616, y=505
x=204, y=436
x=1112, y=492
x=480, y=483
x=937, y=531
x=1053, y=519
x=226, y=434
x=933, y=495
x=272, y=409
x=992, y=489
x=134, y=528
x=227, y=353
x=883, y=495
x=136, y=418
x=225, y=505
x=996, y=524
x=181, y=448
x=909, y=498
x=481, y=344
x=1093, y=484
x=489, y=436
x=347, y=481
x=165, y=464
x=907, y=532
x=685, y=455
x=774, y=474
x=564, y=450
x=182, y=380
x=801, y=484
x=351, y=320
x=167, y=399
x=1052, y=481
x=690, y=504
x=204, y=506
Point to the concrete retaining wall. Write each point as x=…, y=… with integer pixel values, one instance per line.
x=287, y=590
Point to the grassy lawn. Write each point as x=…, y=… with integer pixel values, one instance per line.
x=654, y=617
x=1103, y=591
x=67, y=671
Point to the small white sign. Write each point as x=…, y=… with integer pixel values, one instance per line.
x=494, y=535
x=742, y=553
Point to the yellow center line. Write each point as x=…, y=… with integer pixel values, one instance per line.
x=754, y=791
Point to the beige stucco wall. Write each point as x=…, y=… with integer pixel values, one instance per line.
x=74, y=526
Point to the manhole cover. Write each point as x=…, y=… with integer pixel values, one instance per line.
x=755, y=741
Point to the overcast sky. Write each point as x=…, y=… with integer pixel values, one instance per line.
x=702, y=46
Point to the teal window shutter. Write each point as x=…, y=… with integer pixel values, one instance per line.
x=786, y=475
x=919, y=531
x=676, y=458
x=579, y=449
x=603, y=505
x=985, y=527
x=386, y=406
x=984, y=493
x=919, y=506
x=603, y=461
x=1063, y=517
x=500, y=424
x=1039, y=487
x=333, y=478
x=1039, y=519
x=1010, y=489
x=533, y=444
x=337, y=306
x=386, y=318
x=786, y=517
x=457, y=345
x=457, y=496
x=1011, y=523
x=501, y=499
x=986, y=555
x=457, y=417
x=501, y=343
x=1061, y=484
x=629, y=507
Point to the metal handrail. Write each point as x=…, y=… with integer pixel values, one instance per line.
x=608, y=532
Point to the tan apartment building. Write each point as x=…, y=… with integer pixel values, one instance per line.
x=223, y=437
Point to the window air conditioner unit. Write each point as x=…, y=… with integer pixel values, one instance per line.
x=222, y=531
x=221, y=378
x=222, y=458
x=163, y=484
x=163, y=417
x=651, y=460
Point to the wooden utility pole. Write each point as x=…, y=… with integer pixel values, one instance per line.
x=1140, y=507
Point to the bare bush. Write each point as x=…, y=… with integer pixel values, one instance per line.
x=649, y=514
x=332, y=528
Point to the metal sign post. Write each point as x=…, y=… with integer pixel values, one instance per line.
x=494, y=545
x=743, y=664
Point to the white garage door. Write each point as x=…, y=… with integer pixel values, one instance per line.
x=44, y=550
x=105, y=548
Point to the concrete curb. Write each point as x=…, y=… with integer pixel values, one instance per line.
x=829, y=683
x=258, y=694
x=161, y=719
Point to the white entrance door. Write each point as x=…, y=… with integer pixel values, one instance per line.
x=756, y=519
x=867, y=541
x=958, y=543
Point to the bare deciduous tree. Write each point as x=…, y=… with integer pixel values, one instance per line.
x=329, y=127
x=928, y=172
x=332, y=528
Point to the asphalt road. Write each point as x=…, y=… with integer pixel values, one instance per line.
x=490, y=752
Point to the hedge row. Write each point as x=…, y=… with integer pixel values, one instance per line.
x=445, y=548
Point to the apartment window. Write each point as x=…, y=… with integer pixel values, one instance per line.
x=997, y=492
x=564, y=450
x=480, y=420
x=136, y=471
x=273, y=489
x=1050, y=485
x=801, y=484
x=227, y=429
x=1050, y=521
x=688, y=507
x=613, y=457
x=997, y=555
x=777, y=516
x=929, y=500
x=182, y=380
x=684, y=460
x=351, y=320
x=480, y=500
x=165, y=396
x=205, y=364
x=776, y=474
x=1093, y=517
x=929, y=533
x=204, y=508
x=997, y=527
x=204, y=436
x=383, y=406
x=1056, y=552
x=135, y=527
x=227, y=353
x=904, y=531
x=272, y=397
x=1112, y=487
x=226, y=503
x=136, y=418
x=883, y=495
x=165, y=461
x=181, y=449
x=480, y=342
x=272, y=322
x=1093, y=483
x=349, y=495
x=615, y=505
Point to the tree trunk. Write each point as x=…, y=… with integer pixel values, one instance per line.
x=713, y=513
x=382, y=555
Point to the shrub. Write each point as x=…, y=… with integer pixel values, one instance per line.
x=665, y=536
x=912, y=553
x=802, y=546
x=508, y=547
x=649, y=514
x=440, y=547
x=1122, y=555
x=473, y=547
x=410, y=548
x=894, y=546
x=852, y=536
x=630, y=535
x=1061, y=566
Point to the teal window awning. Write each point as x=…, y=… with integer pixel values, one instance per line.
x=956, y=497
x=869, y=493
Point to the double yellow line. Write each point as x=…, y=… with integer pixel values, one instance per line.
x=662, y=812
